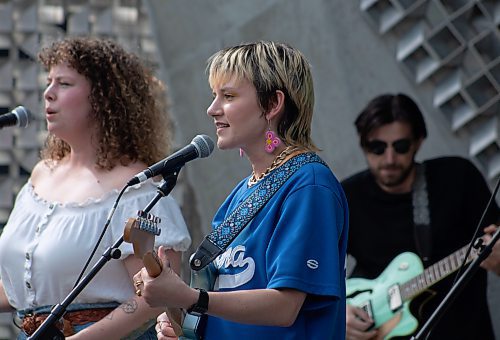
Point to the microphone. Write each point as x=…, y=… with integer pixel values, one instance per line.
x=20, y=116
x=201, y=146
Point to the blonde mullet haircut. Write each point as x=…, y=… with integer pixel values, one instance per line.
x=270, y=67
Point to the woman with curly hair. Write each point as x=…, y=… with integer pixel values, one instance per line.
x=107, y=121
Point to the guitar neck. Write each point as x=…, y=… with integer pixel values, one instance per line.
x=435, y=273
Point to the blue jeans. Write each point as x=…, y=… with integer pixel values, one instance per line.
x=149, y=334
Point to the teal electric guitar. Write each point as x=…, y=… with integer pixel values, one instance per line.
x=387, y=298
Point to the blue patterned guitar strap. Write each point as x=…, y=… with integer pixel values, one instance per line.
x=217, y=241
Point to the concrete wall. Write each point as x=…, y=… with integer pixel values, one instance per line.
x=351, y=64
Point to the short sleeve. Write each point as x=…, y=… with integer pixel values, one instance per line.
x=174, y=233
x=305, y=250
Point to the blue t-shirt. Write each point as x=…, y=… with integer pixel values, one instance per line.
x=298, y=240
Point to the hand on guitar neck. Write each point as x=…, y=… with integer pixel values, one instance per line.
x=385, y=300
x=159, y=285
x=141, y=233
x=492, y=262
x=167, y=289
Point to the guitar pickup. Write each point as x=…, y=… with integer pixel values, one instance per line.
x=367, y=307
x=395, y=300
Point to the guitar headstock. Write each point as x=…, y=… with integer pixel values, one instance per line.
x=141, y=232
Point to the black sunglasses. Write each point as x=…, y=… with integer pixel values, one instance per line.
x=377, y=147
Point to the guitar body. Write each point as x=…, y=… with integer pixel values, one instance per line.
x=193, y=326
x=379, y=297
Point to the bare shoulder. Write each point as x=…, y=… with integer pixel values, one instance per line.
x=128, y=170
x=121, y=174
x=40, y=172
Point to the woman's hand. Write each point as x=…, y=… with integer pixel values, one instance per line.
x=167, y=289
x=164, y=329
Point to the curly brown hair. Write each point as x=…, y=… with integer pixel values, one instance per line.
x=128, y=103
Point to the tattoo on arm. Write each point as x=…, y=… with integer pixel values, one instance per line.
x=129, y=307
x=110, y=315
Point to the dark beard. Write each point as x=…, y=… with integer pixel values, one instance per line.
x=394, y=182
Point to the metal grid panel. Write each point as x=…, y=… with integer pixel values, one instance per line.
x=453, y=48
x=24, y=27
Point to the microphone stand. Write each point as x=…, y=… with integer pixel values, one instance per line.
x=47, y=329
x=456, y=288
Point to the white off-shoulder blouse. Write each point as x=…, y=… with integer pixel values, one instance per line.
x=45, y=245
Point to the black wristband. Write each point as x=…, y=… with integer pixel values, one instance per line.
x=201, y=306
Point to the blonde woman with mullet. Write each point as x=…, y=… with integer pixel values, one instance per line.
x=282, y=276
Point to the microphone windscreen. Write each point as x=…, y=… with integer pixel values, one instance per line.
x=204, y=145
x=23, y=116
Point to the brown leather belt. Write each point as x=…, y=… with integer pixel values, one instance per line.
x=31, y=322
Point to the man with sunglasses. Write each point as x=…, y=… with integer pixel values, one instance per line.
x=431, y=209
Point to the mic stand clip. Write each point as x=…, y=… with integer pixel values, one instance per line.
x=457, y=288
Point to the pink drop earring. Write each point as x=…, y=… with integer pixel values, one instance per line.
x=272, y=141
